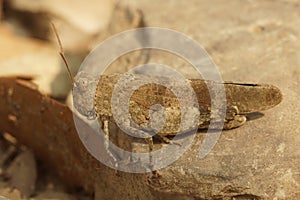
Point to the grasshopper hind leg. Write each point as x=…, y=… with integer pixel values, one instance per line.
x=233, y=118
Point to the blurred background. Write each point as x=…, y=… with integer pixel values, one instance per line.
x=29, y=48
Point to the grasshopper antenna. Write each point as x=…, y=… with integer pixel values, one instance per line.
x=61, y=52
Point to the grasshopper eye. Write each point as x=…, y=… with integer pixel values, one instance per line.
x=83, y=80
x=83, y=83
x=83, y=94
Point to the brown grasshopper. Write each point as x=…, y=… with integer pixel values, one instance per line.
x=241, y=99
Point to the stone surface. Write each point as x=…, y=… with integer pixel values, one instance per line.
x=250, y=41
x=8, y=193
x=23, y=173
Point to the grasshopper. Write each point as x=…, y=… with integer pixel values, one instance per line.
x=241, y=99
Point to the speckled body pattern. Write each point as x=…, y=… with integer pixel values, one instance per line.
x=240, y=100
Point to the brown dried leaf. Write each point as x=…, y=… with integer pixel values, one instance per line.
x=47, y=127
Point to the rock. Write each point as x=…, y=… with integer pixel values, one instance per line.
x=90, y=12
x=37, y=59
x=124, y=17
x=98, y=20
x=7, y=193
x=22, y=173
x=74, y=31
x=255, y=42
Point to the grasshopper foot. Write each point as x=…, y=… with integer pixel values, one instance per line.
x=237, y=121
x=233, y=118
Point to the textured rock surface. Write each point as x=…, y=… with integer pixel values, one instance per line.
x=23, y=173
x=250, y=41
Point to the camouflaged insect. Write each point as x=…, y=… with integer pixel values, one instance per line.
x=241, y=99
